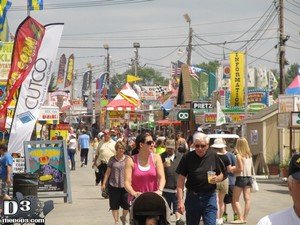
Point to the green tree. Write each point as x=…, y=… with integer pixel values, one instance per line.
x=291, y=74
x=149, y=77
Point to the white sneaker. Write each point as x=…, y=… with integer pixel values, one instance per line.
x=219, y=221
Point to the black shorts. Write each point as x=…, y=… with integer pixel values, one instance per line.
x=118, y=197
x=243, y=182
x=228, y=197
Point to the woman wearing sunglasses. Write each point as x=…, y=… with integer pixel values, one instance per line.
x=144, y=172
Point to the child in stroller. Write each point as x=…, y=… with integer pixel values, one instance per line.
x=149, y=209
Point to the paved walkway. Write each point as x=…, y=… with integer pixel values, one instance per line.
x=89, y=208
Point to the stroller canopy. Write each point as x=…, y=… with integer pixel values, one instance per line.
x=150, y=204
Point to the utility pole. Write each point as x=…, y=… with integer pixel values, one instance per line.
x=189, y=47
x=136, y=45
x=282, y=40
x=106, y=47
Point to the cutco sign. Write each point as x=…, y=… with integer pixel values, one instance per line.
x=183, y=115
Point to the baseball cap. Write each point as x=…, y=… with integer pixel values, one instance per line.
x=170, y=143
x=294, y=167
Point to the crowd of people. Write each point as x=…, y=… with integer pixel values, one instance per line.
x=174, y=167
x=195, y=176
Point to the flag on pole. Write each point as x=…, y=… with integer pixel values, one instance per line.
x=35, y=5
x=33, y=92
x=100, y=82
x=4, y=6
x=70, y=71
x=132, y=78
x=61, y=70
x=29, y=36
x=221, y=119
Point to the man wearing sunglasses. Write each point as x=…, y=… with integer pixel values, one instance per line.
x=200, y=198
x=291, y=215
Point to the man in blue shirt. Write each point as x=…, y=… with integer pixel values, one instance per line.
x=6, y=162
x=84, y=144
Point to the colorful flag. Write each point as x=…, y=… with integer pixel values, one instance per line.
x=61, y=70
x=132, y=78
x=33, y=92
x=237, y=78
x=27, y=43
x=262, y=77
x=273, y=83
x=100, y=82
x=221, y=119
x=4, y=34
x=70, y=71
x=35, y=5
x=4, y=6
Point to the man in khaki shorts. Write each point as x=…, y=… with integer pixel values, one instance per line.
x=223, y=186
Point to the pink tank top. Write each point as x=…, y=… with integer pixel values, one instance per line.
x=144, y=181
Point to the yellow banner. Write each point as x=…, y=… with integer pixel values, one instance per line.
x=237, y=78
x=131, y=78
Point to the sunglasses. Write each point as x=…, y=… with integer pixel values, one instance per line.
x=149, y=142
x=198, y=146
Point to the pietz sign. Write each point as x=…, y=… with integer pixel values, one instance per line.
x=202, y=105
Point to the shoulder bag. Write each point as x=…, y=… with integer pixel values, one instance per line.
x=255, y=187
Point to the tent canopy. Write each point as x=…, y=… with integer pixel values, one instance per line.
x=126, y=100
x=294, y=87
x=167, y=122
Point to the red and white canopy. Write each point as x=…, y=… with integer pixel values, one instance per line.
x=126, y=100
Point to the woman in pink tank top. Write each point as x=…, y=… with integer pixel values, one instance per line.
x=144, y=172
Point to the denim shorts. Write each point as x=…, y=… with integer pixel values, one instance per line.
x=243, y=181
x=4, y=188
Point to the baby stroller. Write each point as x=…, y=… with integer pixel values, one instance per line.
x=149, y=204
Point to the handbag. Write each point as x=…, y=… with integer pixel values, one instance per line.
x=255, y=187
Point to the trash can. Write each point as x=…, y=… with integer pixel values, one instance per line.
x=25, y=183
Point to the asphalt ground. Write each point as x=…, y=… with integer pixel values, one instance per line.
x=89, y=208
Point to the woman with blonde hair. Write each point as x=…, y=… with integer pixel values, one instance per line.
x=243, y=182
x=114, y=179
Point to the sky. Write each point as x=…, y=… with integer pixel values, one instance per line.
x=219, y=27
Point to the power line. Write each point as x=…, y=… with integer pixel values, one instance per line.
x=81, y=4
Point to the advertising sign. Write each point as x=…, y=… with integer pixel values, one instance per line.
x=296, y=119
x=49, y=159
x=237, y=78
x=5, y=56
x=183, y=115
x=49, y=163
x=48, y=113
x=202, y=105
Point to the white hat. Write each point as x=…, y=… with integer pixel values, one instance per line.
x=218, y=143
x=170, y=143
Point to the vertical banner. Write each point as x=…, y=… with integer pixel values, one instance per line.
x=221, y=118
x=61, y=70
x=237, y=78
x=34, y=90
x=70, y=71
x=27, y=43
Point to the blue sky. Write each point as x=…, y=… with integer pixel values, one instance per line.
x=160, y=28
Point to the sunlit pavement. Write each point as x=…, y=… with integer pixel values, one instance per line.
x=89, y=208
